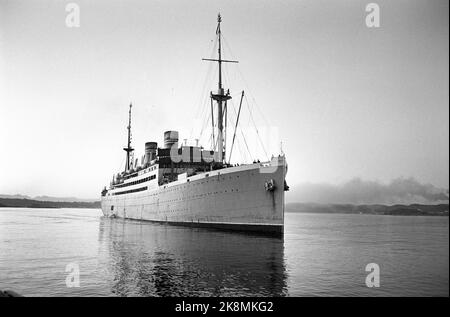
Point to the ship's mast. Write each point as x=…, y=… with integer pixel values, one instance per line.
x=128, y=149
x=220, y=97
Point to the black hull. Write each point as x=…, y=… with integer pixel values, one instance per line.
x=269, y=230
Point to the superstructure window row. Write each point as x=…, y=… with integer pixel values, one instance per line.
x=137, y=182
x=131, y=191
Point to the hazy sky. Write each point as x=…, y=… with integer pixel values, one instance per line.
x=346, y=100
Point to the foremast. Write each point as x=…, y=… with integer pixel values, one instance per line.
x=128, y=149
x=221, y=97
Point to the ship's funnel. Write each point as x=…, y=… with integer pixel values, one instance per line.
x=150, y=152
x=170, y=138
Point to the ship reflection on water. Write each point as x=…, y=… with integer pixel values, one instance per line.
x=148, y=259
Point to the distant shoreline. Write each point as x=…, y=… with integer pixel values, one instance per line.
x=370, y=209
x=31, y=203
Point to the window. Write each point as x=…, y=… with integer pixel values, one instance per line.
x=137, y=182
x=131, y=191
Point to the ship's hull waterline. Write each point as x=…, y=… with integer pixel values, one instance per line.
x=235, y=198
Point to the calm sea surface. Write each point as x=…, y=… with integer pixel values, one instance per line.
x=320, y=255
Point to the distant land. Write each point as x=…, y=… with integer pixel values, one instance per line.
x=17, y=201
x=54, y=203
x=375, y=209
x=49, y=198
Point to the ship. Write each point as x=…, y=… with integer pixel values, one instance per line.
x=180, y=184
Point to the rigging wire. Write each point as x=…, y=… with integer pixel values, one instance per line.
x=121, y=164
x=242, y=153
x=204, y=86
x=206, y=81
x=245, y=82
x=205, y=110
x=202, y=104
x=249, y=109
x=242, y=133
x=241, y=145
x=256, y=128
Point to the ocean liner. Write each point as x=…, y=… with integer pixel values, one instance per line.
x=190, y=185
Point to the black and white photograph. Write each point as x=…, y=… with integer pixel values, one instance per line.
x=224, y=154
